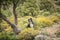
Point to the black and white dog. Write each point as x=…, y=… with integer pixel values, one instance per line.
x=30, y=23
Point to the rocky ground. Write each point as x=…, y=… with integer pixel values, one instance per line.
x=49, y=33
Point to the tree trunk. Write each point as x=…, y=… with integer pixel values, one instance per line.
x=14, y=12
x=0, y=7
x=15, y=29
x=13, y=26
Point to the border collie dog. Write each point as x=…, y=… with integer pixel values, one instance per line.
x=30, y=23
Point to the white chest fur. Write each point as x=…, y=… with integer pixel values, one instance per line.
x=31, y=25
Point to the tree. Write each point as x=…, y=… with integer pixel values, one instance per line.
x=13, y=26
x=49, y=5
x=15, y=2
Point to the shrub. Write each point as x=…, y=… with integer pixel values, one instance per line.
x=28, y=34
x=43, y=21
x=57, y=14
x=6, y=36
x=55, y=19
x=6, y=27
x=46, y=13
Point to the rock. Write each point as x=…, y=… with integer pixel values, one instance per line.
x=50, y=30
x=48, y=33
x=42, y=37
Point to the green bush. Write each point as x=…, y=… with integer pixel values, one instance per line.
x=46, y=13
x=43, y=22
x=28, y=34
x=5, y=36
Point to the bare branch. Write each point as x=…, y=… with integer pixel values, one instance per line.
x=15, y=29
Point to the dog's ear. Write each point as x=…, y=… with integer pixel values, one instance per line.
x=31, y=19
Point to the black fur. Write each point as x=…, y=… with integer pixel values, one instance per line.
x=30, y=20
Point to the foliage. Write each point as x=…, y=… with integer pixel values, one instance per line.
x=33, y=7
x=46, y=13
x=57, y=14
x=43, y=12
x=54, y=19
x=28, y=34
x=28, y=5
x=0, y=25
x=40, y=21
x=43, y=22
x=5, y=27
x=7, y=36
x=7, y=12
